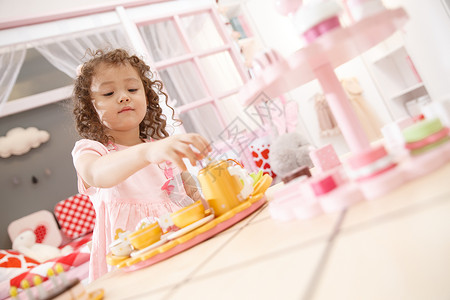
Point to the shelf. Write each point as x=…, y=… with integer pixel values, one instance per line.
x=334, y=48
x=387, y=54
x=413, y=92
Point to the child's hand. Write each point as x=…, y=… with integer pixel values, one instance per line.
x=175, y=148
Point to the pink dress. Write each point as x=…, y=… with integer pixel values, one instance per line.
x=122, y=206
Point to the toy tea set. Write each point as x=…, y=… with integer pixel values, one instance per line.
x=230, y=194
x=365, y=175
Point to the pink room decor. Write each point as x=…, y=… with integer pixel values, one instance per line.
x=260, y=149
x=360, y=9
x=317, y=17
x=325, y=158
x=287, y=7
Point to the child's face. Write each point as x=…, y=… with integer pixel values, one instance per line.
x=118, y=97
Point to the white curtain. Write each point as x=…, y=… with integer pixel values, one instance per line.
x=11, y=61
x=182, y=81
x=67, y=54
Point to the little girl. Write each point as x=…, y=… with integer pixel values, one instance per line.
x=123, y=161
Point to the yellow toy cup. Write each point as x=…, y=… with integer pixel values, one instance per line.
x=224, y=185
x=188, y=215
x=145, y=236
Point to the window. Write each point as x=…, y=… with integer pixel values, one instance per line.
x=37, y=75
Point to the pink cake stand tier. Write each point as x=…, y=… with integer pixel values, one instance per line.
x=318, y=61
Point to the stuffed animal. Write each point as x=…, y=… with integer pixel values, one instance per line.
x=288, y=152
x=26, y=244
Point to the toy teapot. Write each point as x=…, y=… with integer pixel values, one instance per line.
x=224, y=185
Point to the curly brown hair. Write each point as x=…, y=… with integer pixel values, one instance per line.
x=87, y=121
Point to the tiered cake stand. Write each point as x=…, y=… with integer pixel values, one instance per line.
x=318, y=61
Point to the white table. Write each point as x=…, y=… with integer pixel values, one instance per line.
x=393, y=247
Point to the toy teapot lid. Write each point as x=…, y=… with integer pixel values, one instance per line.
x=214, y=162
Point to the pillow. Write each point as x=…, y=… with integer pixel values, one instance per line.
x=12, y=263
x=75, y=215
x=43, y=224
x=68, y=262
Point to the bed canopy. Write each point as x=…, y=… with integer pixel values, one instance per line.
x=185, y=43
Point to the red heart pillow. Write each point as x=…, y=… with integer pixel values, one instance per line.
x=40, y=231
x=13, y=263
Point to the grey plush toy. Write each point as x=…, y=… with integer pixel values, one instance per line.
x=288, y=152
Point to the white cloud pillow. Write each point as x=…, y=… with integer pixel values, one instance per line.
x=18, y=141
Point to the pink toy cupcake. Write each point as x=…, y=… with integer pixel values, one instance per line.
x=317, y=17
x=427, y=143
x=425, y=135
x=295, y=200
x=333, y=195
x=370, y=163
x=375, y=171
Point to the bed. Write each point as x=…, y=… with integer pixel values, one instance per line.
x=71, y=223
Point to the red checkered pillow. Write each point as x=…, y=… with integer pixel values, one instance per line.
x=75, y=215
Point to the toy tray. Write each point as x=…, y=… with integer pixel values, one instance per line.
x=193, y=237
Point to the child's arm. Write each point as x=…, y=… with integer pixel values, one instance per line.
x=109, y=170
